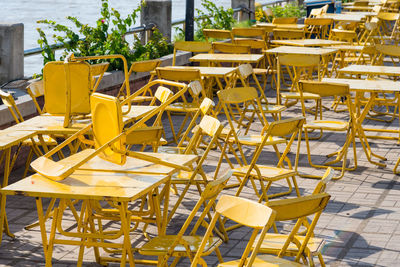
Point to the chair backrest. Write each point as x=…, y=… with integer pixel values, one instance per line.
x=326, y=178
x=253, y=43
x=291, y=20
x=287, y=34
x=246, y=212
x=245, y=73
x=191, y=46
x=9, y=102
x=217, y=34
x=298, y=209
x=230, y=48
x=319, y=27
x=255, y=33
x=35, y=90
x=390, y=51
x=207, y=199
x=349, y=36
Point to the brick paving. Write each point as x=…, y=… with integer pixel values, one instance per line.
x=361, y=223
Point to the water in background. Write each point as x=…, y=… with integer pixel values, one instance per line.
x=28, y=12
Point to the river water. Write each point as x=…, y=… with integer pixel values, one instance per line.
x=28, y=12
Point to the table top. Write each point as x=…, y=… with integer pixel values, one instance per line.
x=136, y=112
x=209, y=71
x=9, y=137
x=344, y=17
x=135, y=165
x=308, y=42
x=361, y=13
x=367, y=85
x=358, y=8
x=301, y=50
x=242, y=58
x=356, y=48
x=281, y=26
x=373, y=70
x=84, y=184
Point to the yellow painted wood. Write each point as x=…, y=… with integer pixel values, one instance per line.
x=219, y=58
x=367, y=85
x=217, y=34
x=371, y=70
x=191, y=46
x=308, y=42
x=230, y=48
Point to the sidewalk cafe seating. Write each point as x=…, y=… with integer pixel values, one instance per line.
x=191, y=46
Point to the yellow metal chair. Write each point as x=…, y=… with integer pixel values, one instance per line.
x=183, y=105
x=245, y=73
x=297, y=67
x=181, y=245
x=143, y=66
x=330, y=90
x=230, y=48
x=288, y=34
x=36, y=90
x=109, y=137
x=388, y=23
x=295, y=244
x=349, y=36
x=290, y=20
x=255, y=216
x=262, y=173
x=191, y=46
x=217, y=34
x=249, y=33
x=318, y=27
x=97, y=72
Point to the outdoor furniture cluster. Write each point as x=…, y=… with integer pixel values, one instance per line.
x=94, y=155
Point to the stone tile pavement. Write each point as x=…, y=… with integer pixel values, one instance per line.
x=361, y=224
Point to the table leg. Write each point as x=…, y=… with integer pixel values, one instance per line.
x=125, y=223
x=361, y=134
x=42, y=225
x=3, y=218
x=166, y=205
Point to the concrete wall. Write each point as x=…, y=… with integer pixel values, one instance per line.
x=250, y=4
x=11, y=52
x=159, y=13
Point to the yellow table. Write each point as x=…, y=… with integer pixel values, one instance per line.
x=344, y=17
x=373, y=87
x=216, y=59
x=217, y=73
x=357, y=8
x=90, y=187
x=308, y=42
x=371, y=70
x=9, y=139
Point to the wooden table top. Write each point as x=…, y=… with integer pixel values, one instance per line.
x=308, y=42
x=240, y=58
x=372, y=70
x=84, y=184
x=9, y=137
x=209, y=71
x=367, y=85
x=345, y=48
x=301, y=50
x=344, y=17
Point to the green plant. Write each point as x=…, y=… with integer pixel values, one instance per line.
x=213, y=18
x=107, y=37
x=289, y=10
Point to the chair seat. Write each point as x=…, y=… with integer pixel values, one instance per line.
x=171, y=150
x=267, y=172
x=296, y=95
x=327, y=125
x=253, y=140
x=159, y=245
x=139, y=99
x=49, y=141
x=264, y=261
x=268, y=108
x=273, y=243
x=183, y=107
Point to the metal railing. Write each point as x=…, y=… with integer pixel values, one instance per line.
x=148, y=29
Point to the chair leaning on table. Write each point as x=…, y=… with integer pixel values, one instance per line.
x=251, y=214
x=330, y=90
x=181, y=245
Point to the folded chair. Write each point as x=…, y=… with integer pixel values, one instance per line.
x=302, y=246
x=181, y=245
x=269, y=174
x=187, y=105
x=253, y=215
x=324, y=90
x=109, y=137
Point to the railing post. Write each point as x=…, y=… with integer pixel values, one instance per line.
x=249, y=4
x=11, y=52
x=159, y=13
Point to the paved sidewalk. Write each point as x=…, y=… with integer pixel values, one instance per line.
x=361, y=223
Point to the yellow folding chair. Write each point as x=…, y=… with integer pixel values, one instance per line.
x=297, y=67
x=288, y=34
x=183, y=106
x=228, y=48
x=216, y=34
x=35, y=90
x=295, y=244
x=319, y=27
x=263, y=173
x=255, y=216
x=109, y=137
x=191, y=46
x=97, y=72
x=181, y=245
x=330, y=90
x=290, y=20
